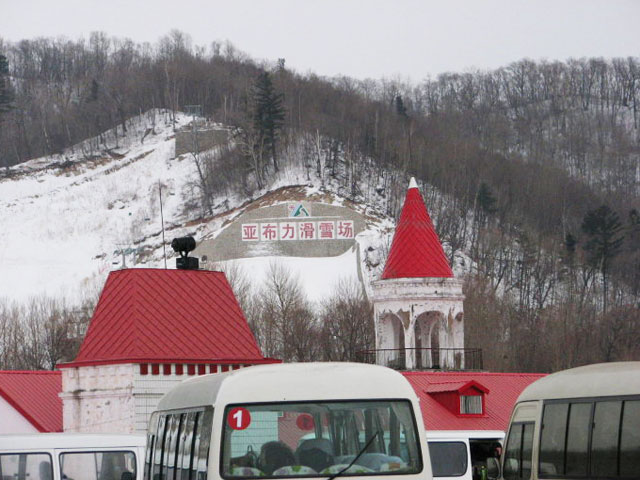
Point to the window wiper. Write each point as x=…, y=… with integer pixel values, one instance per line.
x=364, y=449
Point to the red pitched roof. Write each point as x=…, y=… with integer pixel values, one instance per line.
x=416, y=251
x=504, y=389
x=163, y=316
x=35, y=395
x=458, y=387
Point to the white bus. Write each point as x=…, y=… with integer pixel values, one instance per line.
x=289, y=421
x=462, y=454
x=582, y=423
x=71, y=456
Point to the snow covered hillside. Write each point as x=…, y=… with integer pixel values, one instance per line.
x=67, y=220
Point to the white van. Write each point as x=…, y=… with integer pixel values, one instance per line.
x=461, y=454
x=579, y=423
x=288, y=421
x=71, y=456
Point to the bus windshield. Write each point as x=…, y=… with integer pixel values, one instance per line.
x=320, y=438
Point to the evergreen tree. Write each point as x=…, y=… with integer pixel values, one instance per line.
x=485, y=204
x=400, y=108
x=268, y=115
x=6, y=92
x=605, y=233
x=486, y=200
x=6, y=104
x=570, y=243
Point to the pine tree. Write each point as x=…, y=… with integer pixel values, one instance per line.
x=486, y=200
x=400, y=108
x=6, y=92
x=268, y=117
x=605, y=232
x=485, y=204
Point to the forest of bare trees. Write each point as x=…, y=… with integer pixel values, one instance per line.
x=533, y=171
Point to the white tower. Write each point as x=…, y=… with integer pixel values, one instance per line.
x=418, y=308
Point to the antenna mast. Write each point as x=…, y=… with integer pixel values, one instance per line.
x=164, y=247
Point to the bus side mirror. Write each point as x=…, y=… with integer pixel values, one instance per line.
x=493, y=468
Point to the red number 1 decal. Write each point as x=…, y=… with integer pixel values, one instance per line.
x=239, y=418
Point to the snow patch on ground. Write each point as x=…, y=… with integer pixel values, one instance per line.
x=67, y=220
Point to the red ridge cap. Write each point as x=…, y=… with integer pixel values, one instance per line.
x=137, y=361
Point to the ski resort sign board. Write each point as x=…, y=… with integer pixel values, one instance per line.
x=291, y=229
x=304, y=230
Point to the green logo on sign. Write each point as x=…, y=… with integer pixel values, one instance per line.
x=298, y=210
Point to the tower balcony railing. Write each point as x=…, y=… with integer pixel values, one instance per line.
x=424, y=358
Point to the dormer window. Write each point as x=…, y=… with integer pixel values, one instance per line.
x=462, y=398
x=471, y=405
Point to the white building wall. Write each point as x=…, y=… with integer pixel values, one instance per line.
x=98, y=399
x=12, y=421
x=149, y=389
x=117, y=398
x=407, y=299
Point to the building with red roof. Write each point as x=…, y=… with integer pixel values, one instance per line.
x=468, y=400
x=418, y=304
x=29, y=401
x=151, y=329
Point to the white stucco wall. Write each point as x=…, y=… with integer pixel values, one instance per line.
x=149, y=389
x=116, y=398
x=98, y=399
x=407, y=299
x=12, y=421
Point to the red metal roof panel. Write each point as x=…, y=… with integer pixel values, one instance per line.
x=155, y=315
x=416, y=251
x=504, y=389
x=35, y=395
x=455, y=387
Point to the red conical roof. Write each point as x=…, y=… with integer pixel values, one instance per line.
x=416, y=251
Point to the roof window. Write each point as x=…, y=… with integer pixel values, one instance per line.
x=471, y=405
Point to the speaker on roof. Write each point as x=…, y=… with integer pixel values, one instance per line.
x=184, y=245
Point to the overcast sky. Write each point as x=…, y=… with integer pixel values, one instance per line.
x=359, y=38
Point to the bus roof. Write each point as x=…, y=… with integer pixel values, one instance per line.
x=289, y=382
x=599, y=380
x=36, y=441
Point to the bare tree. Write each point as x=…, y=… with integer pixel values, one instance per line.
x=287, y=325
x=347, y=322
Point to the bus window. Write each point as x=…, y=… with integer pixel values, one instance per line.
x=204, y=432
x=97, y=465
x=517, y=455
x=151, y=438
x=159, y=447
x=180, y=446
x=630, y=440
x=186, y=447
x=26, y=466
x=527, y=450
x=604, y=443
x=577, y=455
x=170, y=446
x=448, y=459
x=282, y=440
x=552, y=443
